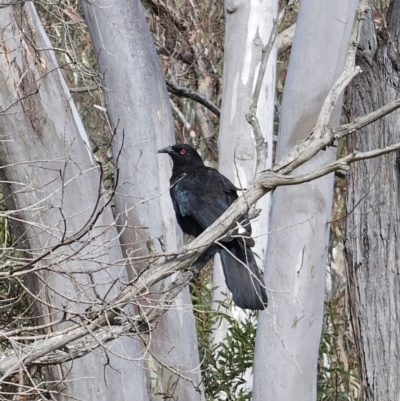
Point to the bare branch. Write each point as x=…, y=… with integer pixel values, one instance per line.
x=88, y=88
x=264, y=61
x=284, y=41
x=363, y=121
x=251, y=116
x=52, y=350
x=188, y=93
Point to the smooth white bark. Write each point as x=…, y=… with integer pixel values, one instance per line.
x=288, y=335
x=137, y=102
x=53, y=181
x=248, y=27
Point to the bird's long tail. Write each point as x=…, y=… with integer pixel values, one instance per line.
x=205, y=257
x=242, y=276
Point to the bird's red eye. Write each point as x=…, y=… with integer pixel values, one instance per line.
x=182, y=151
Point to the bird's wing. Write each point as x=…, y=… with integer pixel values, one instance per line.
x=204, y=196
x=243, y=222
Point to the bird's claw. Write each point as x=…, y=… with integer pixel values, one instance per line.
x=194, y=270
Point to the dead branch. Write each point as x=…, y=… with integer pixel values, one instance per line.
x=53, y=349
x=363, y=121
x=188, y=93
x=251, y=116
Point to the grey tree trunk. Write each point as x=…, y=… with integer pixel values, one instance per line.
x=137, y=102
x=288, y=334
x=372, y=224
x=248, y=27
x=51, y=180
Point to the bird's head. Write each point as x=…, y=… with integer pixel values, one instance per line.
x=182, y=154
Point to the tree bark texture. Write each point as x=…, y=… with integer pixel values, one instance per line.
x=51, y=180
x=372, y=223
x=288, y=333
x=137, y=103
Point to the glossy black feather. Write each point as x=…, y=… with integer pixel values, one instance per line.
x=200, y=195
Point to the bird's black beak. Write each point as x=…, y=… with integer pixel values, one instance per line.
x=168, y=149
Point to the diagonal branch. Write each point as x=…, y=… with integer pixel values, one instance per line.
x=185, y=92
x=363, y=121
x=57, y=349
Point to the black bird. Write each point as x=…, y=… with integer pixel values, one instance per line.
x=200, y=195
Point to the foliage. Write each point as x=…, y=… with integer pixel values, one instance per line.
x=337, y=364
x=224, y=364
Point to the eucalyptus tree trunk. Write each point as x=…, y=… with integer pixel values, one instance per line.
x=248, y=26
x=52, y=186
x=372, y=223
x=288, y=334
x=137, y=104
